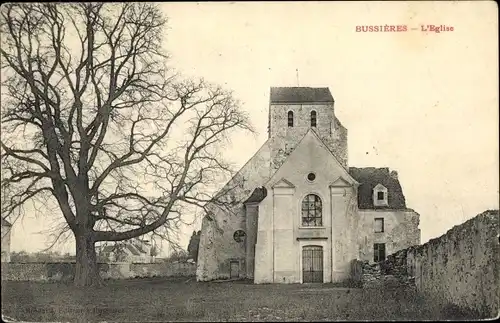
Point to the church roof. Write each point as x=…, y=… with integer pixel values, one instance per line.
x=258, y=195
x=369, y=177
x=300, y=94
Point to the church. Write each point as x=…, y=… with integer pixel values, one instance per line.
x=298, y=213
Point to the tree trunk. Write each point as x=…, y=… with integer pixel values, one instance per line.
x=87, y=271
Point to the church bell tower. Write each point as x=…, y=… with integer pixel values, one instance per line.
x=295, y=110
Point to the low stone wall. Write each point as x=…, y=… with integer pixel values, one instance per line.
x=391, y=273
x=65, y=271
x=460, y=267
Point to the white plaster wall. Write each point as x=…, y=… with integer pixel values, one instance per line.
x=264, y=246
x=400, y=231
x=309, y=156
x=285, y=269
x=344, y=231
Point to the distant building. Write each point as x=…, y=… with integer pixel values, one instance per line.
x=6, y=228
x=300, y=213
x=134, y=251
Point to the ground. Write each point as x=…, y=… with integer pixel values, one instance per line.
x=184, y=299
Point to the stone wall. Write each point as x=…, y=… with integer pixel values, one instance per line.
x=460, y=267
x=328, y=128
x=61, y=271
x=217, y=247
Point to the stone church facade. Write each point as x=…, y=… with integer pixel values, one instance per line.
x=298, y=213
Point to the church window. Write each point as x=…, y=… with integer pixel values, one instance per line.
x=311, y=177
x=239, y=235
x=313, y=118
x=378, y=252
x=290, y=118
x=312, y=211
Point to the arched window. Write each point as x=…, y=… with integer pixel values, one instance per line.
x=290, y=118
x=312, y=211
x=313, y=118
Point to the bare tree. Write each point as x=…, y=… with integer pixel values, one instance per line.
x=93, y=120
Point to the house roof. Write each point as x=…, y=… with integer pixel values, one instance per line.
x=132, y=249
x=107, y=249
x=300, y=94
x=369, y=177
x=257, y=196
x=5, y=223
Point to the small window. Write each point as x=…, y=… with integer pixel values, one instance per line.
x=290, y=118
x=379, y=225
x=378, y=252
x=311, y=211
x=311, y=177
x=313, y=118
x=380, y=196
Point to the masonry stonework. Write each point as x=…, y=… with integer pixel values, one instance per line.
x=461, y=267
x=277, y=246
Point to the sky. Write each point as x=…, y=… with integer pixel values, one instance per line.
x=422, y=103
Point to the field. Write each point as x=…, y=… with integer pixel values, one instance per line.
x=186, y=300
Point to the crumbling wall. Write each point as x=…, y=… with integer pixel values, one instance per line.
x=460, y=267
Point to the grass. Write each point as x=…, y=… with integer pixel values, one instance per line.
x=182, y=299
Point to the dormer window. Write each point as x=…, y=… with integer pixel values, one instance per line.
x=290, y=118
x=313, y=118
x=380, y=197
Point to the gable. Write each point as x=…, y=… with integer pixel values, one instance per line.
x=340, y=182
x=380, y=187
x=312, y=155
x=283, y=183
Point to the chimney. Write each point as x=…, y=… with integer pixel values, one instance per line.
x=394, y=174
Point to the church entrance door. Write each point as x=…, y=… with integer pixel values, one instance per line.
x=312, y=264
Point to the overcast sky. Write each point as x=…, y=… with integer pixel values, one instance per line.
x=424, y=104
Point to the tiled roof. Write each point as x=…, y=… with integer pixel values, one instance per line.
x=258, y=195
x=369, y=177
x=300, y=94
